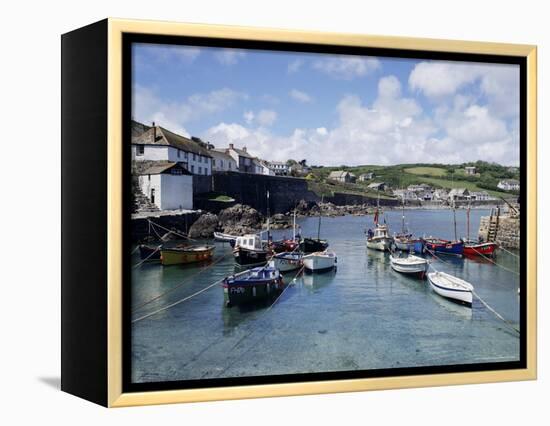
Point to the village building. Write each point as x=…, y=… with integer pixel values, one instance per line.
x=459, y=194
x=509, y=185
x=342, y=176
x=139, y=128
x=364, y=177
x=160, y=144
x=167, y=184
x=278, y=167
x=440, y=195
x=480, y=196
x=426, y=195
x=222, y=162
x=262, y=167
x=419, y=188
x=470, y=170
x=245, y=161
x=378, y=186
x=405, y=194
x=299, y=169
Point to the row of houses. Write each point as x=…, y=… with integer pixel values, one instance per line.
x=426, y=193
x=166, y=163
x=345, y=176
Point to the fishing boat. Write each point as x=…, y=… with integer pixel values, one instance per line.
x=410, y=264
x=380, y=238
x=472, y=248
x=285, y=245
x=150, y=252
x=312, y=245
x=451, y=287
x=440, y=246
x=286, y=261
x=249, y=250
x=405, y=241
x=224, y=238
x=253, y=285
x=320, y=261
x=185, y=253
x=477, y=248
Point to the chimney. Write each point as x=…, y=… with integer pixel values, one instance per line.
x=244, y=149
x=154, y=132
x=231, y=146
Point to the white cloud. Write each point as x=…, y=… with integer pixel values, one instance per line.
x=229, y=56
x=392, y=129
x=347, y=67
x=294, y=66
x=166, y=53
x=148, y=106
x=263, y=118
x=300, y=96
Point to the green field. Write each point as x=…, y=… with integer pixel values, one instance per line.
x=471, y=186
x=431, y=171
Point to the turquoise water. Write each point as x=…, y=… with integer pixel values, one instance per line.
x=362, y=316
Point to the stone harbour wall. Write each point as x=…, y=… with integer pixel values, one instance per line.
x=508, y=234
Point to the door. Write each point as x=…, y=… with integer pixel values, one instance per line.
x=153, y=195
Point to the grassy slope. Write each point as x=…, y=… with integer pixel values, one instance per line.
x=432, y=171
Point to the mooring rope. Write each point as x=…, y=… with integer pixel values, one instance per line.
x=147, y=258
x=169, y=230
x=509, y=252
x=136, y=308
x=493, y=262
x=500, y=317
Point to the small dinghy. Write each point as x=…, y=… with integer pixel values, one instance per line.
x=472, y=248
x=320, y=261
x=150, y=252
x=410, y=264
x=225, y=238
x=252, y=285
x=451, y=287
x=285, y=262
x=185, y=253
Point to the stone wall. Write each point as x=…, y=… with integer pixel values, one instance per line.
x=508, y=234
x=180, y=222
x=202, y=184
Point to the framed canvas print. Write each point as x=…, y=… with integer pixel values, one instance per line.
x=251, y=212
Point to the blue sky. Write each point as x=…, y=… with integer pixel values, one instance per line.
x=331, y=109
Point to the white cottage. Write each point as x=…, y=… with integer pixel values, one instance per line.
x=166, y=184
x=222, y=162
x=160, y=144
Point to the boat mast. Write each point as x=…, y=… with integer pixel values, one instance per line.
x=268, y=217
x=403, y=215
x=454, y=218
x=468, y=221
x=319, y=224
x=294, y=226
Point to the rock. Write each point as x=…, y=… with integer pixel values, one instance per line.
x=204, y=226
x=240, y=219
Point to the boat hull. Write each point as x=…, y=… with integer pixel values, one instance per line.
x=463, y=296
x=319, y=262
x=244, y=256
x=177, y=256
x=415, y=267
x=381, y=244
x=286, y=263
x=482, y=249
x=453, y=248
x=243, y=291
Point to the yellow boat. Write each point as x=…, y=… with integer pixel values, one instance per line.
x=185, y=254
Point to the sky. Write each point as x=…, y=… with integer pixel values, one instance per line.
x=331, y=109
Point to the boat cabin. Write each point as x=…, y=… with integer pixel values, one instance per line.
x=381, y=231
x=250, y=242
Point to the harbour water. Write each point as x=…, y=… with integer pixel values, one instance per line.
x=362, y=316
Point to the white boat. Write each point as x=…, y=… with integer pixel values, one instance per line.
x=319, y=261
x=286, y=261
x=451, y=287
x=380, y=238
x=410, y=264
x=220, y=236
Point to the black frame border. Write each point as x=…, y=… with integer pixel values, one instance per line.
x=130, y=38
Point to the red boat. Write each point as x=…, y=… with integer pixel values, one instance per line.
x=472, y=248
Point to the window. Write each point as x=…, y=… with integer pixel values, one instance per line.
x=221, y=163
x=179, y=153
x=140, y=150
x=194, y=157
x=200, y=170
x=214, y=163
x=192, y=168
x=185, y=155
x=206, y=171
x=176, y=171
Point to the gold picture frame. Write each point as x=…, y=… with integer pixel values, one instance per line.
x=115, y=30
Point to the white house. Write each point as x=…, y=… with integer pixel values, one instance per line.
x=365, y=177
x=480, y=195
x=160, y=144
x=419, y=188
x=166, y=184
x=378, y=186
x=470, y=170
x=262, y=167
x=509, y=185
x=245, y=161
x=342, y=176
x=405, y=194
x=440, y=195
x=222, y=162
x=459, y=194
x=278, y=167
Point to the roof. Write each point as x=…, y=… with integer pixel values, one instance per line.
x=220, y=153
x=375, y=184
x=458, y=191
x=510, y=181
x=139, y=128
x=242, y=153
x=156, y=167
x=339, y=174
x=167, y=138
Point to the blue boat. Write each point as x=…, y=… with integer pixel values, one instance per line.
x=439, y=246
x=253, y=285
